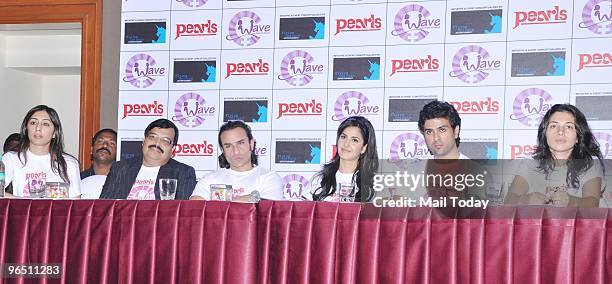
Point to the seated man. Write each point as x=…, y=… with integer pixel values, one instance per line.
x=440, y=125
x=138, y=178
x=103, y=153
x=239, y=169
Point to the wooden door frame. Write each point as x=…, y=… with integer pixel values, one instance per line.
x=89, y=14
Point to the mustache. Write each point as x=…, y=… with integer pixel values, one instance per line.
x=104, y=149
x=158, y=148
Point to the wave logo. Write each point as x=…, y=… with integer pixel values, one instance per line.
x=193, y=3
x=294, y=186
x=298, y=68
x=597, y=16
x=530, y=105
x=471, y=64
x=245, y=28
x=190, y=110
x=413, y=23
x=408, y=146
x=605, y=144
x=353, y=103
x=140, y=71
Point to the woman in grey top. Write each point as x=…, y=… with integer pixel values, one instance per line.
x=563, y=171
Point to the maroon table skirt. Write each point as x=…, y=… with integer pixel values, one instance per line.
x=106, y=241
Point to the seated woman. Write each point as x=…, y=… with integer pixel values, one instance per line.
x=562, y=172
x=352, y=168
x=40, y=157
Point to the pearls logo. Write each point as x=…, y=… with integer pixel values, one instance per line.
x=415, y=65
x=150, y=109
x=207, y=28
x=594, y=60
x=522, y=151
x=300, y=109
x=370, y=23
x=547, y=17
x=204, y=149
x=487, y=105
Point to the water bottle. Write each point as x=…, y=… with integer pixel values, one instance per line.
x=1, y=178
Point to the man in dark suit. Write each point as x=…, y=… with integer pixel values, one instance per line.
x=138, y=178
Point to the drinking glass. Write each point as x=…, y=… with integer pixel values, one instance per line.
x=167, y=188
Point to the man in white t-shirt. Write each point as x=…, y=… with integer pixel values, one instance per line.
x=138, y=178
x=239, y=169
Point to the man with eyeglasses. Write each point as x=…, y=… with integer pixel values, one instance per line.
x=138, y=178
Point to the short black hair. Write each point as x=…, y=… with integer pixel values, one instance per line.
x=105, y=130
x=7, y=143
x=164, y=124
x=223, y=163
x=439, y=109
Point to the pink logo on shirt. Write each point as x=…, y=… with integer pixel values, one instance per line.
x=36, y=182
x=142, y=192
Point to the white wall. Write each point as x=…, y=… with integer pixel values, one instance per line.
x=19, y=91
x=63, y=94
x=40, y=67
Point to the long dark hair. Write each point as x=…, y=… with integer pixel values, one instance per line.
x=223, y=163
x=581, y=158
x=56, y=148
x=367, y=164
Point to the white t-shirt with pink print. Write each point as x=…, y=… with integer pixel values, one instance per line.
x=144, y=186
x=36, y=172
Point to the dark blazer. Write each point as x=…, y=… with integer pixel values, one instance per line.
x=123, y=174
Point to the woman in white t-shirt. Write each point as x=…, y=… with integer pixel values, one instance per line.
x=353, y=166
x=563, y=171
x=40, y=157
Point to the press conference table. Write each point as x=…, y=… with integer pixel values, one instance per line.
x=108, y=241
